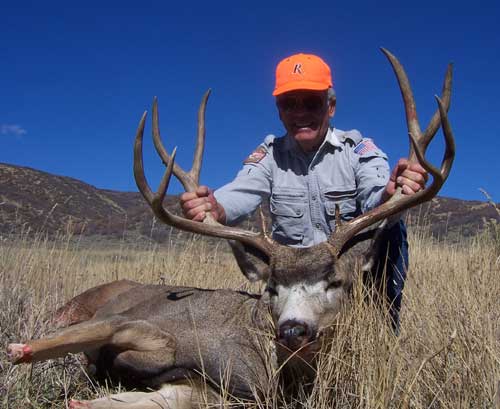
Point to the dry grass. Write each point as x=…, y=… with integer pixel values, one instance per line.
x=447, y=356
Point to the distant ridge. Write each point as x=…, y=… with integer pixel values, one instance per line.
x=52, y=204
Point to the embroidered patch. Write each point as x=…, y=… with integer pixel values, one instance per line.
x=365, y=146
x=256, y=156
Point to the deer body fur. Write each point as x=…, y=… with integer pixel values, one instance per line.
x=151, y=334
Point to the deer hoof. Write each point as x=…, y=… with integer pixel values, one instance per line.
x=18, y=353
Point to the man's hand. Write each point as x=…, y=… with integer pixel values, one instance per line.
x=412, y=177
x=195, y=205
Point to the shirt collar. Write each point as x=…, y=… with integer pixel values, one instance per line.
x=331, y=138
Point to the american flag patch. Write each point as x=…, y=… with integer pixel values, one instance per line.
x=365, y=146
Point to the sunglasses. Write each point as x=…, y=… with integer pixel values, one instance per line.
x=312, y=104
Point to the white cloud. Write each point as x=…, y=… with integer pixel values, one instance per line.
x=12, y=129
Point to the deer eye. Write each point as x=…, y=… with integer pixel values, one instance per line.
x=272, y=292
x=336, y=283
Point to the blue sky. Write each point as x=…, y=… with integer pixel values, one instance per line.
x=74, y=80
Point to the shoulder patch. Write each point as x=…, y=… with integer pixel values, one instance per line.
x=256, y=156
x=353, y=137
x=365, y=146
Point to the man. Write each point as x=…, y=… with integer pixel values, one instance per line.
x=311, y=169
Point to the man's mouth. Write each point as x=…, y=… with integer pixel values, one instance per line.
x=304, y=125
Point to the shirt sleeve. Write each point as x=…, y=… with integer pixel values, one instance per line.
x=372, y=173
x=252, y=183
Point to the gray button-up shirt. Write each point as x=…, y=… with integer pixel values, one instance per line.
x=303, y=188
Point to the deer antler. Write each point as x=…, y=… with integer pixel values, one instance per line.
x=419, y=142
x=190, y=181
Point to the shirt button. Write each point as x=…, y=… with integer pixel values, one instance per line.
x=318, y=226
x=297, y=212
x=314, y=197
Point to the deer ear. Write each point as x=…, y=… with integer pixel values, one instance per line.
x=253, y=263
x=376, y=246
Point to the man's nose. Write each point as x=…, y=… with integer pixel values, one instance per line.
x=300, y=109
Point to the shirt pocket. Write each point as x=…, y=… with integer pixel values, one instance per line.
x=345, y=198
x=287, y=210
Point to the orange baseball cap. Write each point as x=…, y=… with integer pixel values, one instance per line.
x=302, y=71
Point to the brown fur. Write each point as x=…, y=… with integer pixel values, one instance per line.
x=84, y=306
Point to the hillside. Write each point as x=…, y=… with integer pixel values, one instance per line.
x=53, y=204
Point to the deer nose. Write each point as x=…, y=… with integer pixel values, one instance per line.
x=295, y=334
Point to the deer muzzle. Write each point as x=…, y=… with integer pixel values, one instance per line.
x=295, y=335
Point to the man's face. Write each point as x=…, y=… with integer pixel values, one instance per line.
x=305, y=115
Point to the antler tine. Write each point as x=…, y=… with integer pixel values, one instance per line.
x=157, y=203
x=434, y=123
x=190, y=179
x=155, y=200
x=200, y=140
x=439, y=176
x=400, y=202
x=407, y=94
x=410, y=106
x=449, y=153
x=140, y=178
x=184, y=177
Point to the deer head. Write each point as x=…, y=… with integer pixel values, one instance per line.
x=305, y=286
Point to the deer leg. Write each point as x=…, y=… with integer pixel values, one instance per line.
x=78, y=338
x=172, y=396
x=146, y=350
x=92, y=335
x=143, y=364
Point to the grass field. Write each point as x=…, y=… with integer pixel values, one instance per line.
x=447, y=356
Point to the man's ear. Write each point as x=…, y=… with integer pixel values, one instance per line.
x=279, y=113
x=331, y=108
x=253, y=263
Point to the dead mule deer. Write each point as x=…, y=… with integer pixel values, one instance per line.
x=155, y=335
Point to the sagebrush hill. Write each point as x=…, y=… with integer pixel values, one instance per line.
x=51, y=204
